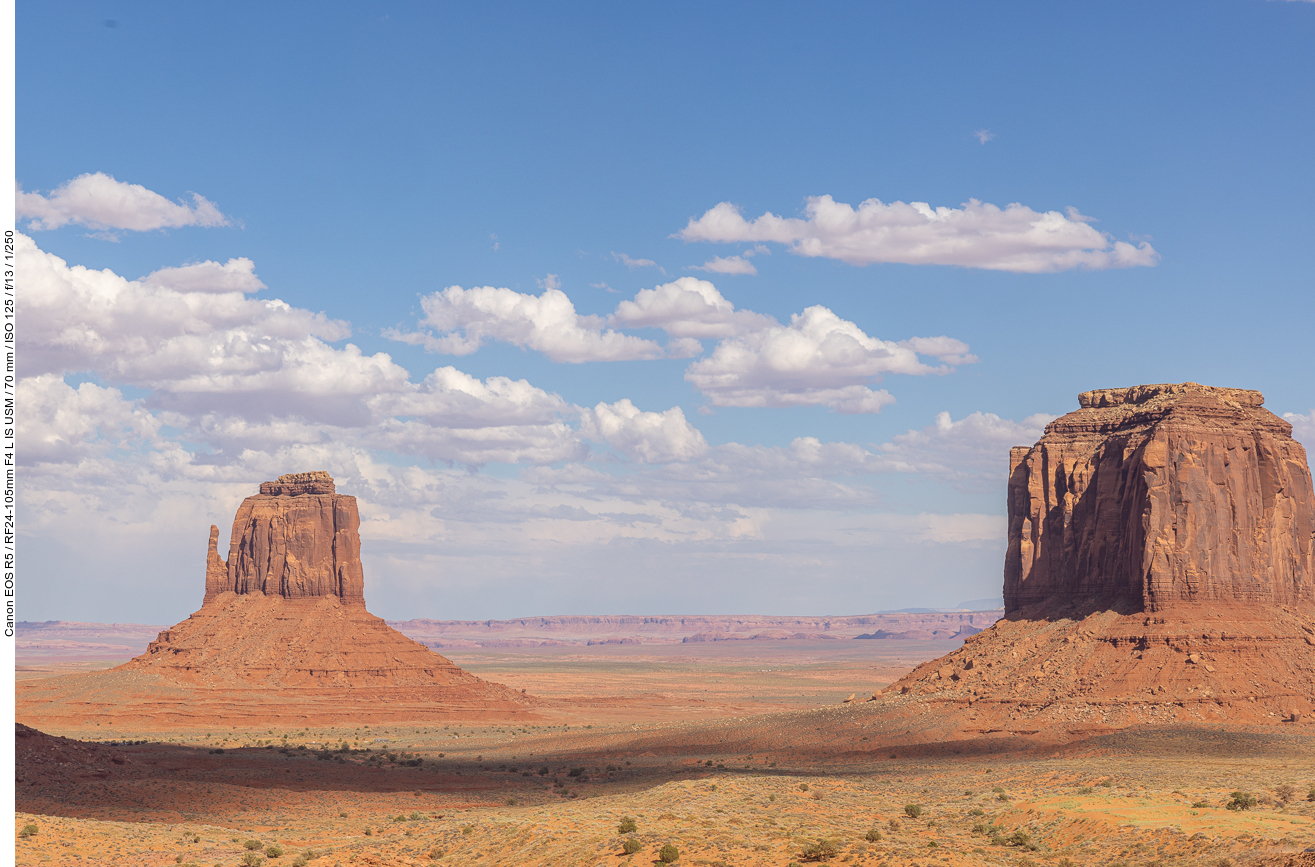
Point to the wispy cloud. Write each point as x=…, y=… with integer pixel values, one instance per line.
x=632, y=264
x=99, y=202
x=976, y=235
x=727, y=265
x=984, y=135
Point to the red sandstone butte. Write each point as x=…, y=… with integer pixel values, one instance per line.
x=1159, y=569
x=1162, y=496
x=297, y=538
x=282, y=635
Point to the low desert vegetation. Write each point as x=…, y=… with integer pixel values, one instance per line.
x=913, y=811
x=631, y=846
x=627, y=825
x=822, y=850
x=1241, y=801
x=668, y=854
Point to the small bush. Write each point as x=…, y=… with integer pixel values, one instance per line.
x=976, y=811
x=627, y=825
x=543, y=772
x=1018, y=838
x=1086, y=790
x=29, y=830
x=803, y=787
x=399, y=818
x=1108, y=784
x=369, y=832
x=300, y=861
x=273, y=851
x=913, y=811
x=575, y=772
x=668, y=853
x=873, y=836
x=1200, y=805
x=253, y=845
x=469, y=829
x=1003, y=796
x=251, y=859
x=631, y=846
x=969, y=793
x=1241, y=801
x=822, y=850
x=1285, y=792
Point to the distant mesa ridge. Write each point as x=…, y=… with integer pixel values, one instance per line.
x=297, y=538
x=1156, y=496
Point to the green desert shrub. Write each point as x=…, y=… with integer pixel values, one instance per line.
x=251, y=859
x=626, y=826
x=1241, y=801
x=822, y=850
x=253, y=845
x=668, y=853
x=872, y=836
x=300, y=861
x=29, y=830
x=273, y=851
x=913, y=811
x=976, y=811
x=1200, y=805
x=631, y=846
x=1285, y=792
x=1086, y=790
x=1019, y=838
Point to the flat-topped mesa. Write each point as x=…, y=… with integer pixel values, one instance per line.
x=297, y=539
x=1158, y=496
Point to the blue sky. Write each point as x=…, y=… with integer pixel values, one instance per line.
x=365, y=157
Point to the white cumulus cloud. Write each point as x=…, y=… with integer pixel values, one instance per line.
x=1303, y=428
x=687, y=307
x=98, y=201
x=974, y=447
x=977, y=235
x=818, y=359
x=651, y=437
x=459, y=321
x=235, y=275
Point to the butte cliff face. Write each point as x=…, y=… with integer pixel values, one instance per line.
x=1157, y=496
x=298, y=538
x=282, y=635
x=1159, y=570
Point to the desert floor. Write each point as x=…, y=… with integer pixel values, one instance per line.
x=734, y=753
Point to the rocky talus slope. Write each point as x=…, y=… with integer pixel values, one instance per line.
x=286, y=639
x=1159, y=569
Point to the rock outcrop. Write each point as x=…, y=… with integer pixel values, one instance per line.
x=1159, y=570
x=1156, y=496
x=282, y=635
x=298, y=538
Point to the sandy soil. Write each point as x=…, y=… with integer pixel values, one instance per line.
x=734, y=755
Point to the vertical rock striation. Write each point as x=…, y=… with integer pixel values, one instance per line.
x=1158, y=496
x=298, y=538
